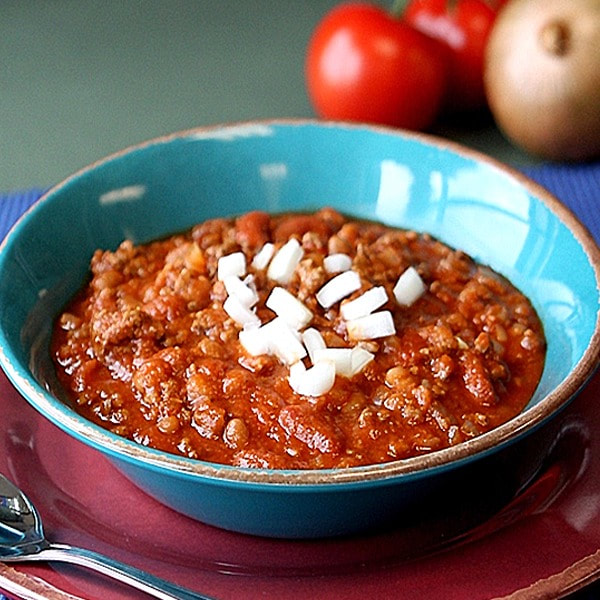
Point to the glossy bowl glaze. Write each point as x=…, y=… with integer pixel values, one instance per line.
x=412, y=181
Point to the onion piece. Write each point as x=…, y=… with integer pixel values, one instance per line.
x=254, y=341
x=240, y=290
x=365, y=304
x=289, y=308
x=297, y=371
x=340, y=357
x=339, y=287
x=278, y=323
x=316, y=381
x=313, y=341
x=231, y=264
x=409, y=287
x=250, y=282
x=284, y=341
x=375, y=325
x=263, y=256
x=241, y=314
x=360, y=359
x=275, y=337
x=285, y=261
x=337, y=263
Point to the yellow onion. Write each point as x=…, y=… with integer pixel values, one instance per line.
x=542, y=76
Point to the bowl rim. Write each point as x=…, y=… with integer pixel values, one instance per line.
x=131, y=452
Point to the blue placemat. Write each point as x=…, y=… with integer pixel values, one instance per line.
x=576, y=185
x=13, y=205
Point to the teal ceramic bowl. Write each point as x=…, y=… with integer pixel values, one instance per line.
x=412, y=181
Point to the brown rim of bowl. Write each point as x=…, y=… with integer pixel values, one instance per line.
x=527, y=420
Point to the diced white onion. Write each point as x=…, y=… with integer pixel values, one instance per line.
x=254, y=340
x=277, y=324
x=339, y=287
x=341, y=358
x=289, y=308
x=365, y=304
x=375, y=325
x=249, y=281
x=360, y=359
x=317, y=380
x=409, y=287
x=282, y=335
x=285, y=261
x=297, y=370
x=242, y=292
x=241, y=314
x=231, y=264
x=337, y=263
x=284, y=342
x=263, y=256
x=313, y=341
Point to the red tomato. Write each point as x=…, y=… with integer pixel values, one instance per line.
x=365, y=65
x=463, y=26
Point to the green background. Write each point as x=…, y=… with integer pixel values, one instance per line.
x=80, y=79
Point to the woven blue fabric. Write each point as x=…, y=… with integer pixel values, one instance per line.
x=577, y=186
x=12, y=206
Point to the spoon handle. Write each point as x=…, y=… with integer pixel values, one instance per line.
x=156, y=587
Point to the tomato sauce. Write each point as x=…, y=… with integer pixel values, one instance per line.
x=148, y=350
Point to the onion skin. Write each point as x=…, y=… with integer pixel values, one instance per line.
x=542, y=77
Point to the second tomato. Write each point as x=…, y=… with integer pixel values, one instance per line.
x=464, y=27
x=365, y=65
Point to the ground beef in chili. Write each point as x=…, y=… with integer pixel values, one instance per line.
x=148, y=351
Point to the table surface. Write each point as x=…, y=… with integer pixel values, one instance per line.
x=81, y=79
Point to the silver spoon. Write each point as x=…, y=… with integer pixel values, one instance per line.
x=22, y=539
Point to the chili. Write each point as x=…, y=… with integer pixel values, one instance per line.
x=148, y=350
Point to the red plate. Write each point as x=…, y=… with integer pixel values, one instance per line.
x=544, y=543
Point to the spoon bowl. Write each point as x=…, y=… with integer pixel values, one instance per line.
x=21, y=529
